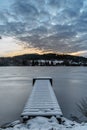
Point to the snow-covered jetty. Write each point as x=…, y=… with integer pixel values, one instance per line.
x=42, y=101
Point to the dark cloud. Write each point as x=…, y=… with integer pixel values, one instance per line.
x=58, y=25
x=25, y=9
x=3, y=17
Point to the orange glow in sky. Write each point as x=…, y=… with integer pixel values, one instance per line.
x=10, y=47
x=79, y=53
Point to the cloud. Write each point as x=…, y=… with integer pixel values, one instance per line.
x=57, y=25
x=7, y=44
x=25, y=9
x=3, y=18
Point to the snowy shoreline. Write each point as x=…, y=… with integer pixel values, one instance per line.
x=43, y=123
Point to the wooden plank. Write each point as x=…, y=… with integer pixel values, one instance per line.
x=42, y=101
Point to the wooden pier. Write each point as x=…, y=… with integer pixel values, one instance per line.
x=42, y=101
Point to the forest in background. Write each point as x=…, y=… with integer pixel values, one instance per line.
x=43, y=60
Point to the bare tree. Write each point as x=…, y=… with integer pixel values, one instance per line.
x=82, y=106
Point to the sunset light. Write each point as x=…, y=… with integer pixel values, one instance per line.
x=35, y=26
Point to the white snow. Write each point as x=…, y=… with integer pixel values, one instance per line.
x=42, y=100
x=42, y=123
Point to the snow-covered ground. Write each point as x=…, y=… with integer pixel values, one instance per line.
x=42, y=123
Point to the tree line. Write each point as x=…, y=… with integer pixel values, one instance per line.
x=43, y=60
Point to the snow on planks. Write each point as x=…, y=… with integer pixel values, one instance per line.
x=42, y=101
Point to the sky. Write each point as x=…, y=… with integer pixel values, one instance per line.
x=42, y=26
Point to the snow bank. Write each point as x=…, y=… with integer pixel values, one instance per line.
x=42, y=123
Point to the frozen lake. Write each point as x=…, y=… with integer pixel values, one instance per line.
x=70, y=86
